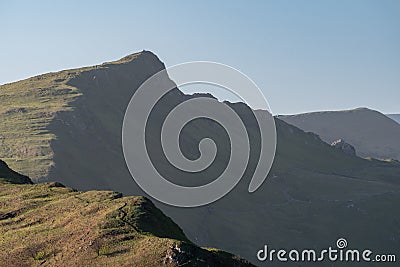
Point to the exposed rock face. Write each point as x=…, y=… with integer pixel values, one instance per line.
x=345, y=147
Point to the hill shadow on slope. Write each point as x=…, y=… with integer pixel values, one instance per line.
x=8, y=175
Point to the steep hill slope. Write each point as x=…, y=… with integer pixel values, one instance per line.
x=50, y=225
x=395, y=117
x=311, y=191
x=29, y=109
x=370, y=132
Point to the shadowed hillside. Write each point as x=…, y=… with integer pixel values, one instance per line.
x=313, y=195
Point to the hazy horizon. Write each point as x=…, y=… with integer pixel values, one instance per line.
x=305, y=56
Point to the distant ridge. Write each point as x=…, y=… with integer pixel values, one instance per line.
x=372, y=133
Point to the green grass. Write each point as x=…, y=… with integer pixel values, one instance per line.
x=41, y=255
x=27, y=108
x=56, y=225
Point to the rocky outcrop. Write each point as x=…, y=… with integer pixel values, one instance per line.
x=345, y=147
x=11, y=176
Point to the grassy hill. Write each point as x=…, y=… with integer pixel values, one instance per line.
x=50, y=225
x=29, y=107
x=313, y=195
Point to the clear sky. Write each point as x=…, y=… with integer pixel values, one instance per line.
x=304, y=55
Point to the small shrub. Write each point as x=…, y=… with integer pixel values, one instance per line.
x=41, y=255
x=104, y=251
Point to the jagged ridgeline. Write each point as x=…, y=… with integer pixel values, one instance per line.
x=66, y=127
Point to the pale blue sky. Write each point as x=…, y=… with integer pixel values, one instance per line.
x=304, y=55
